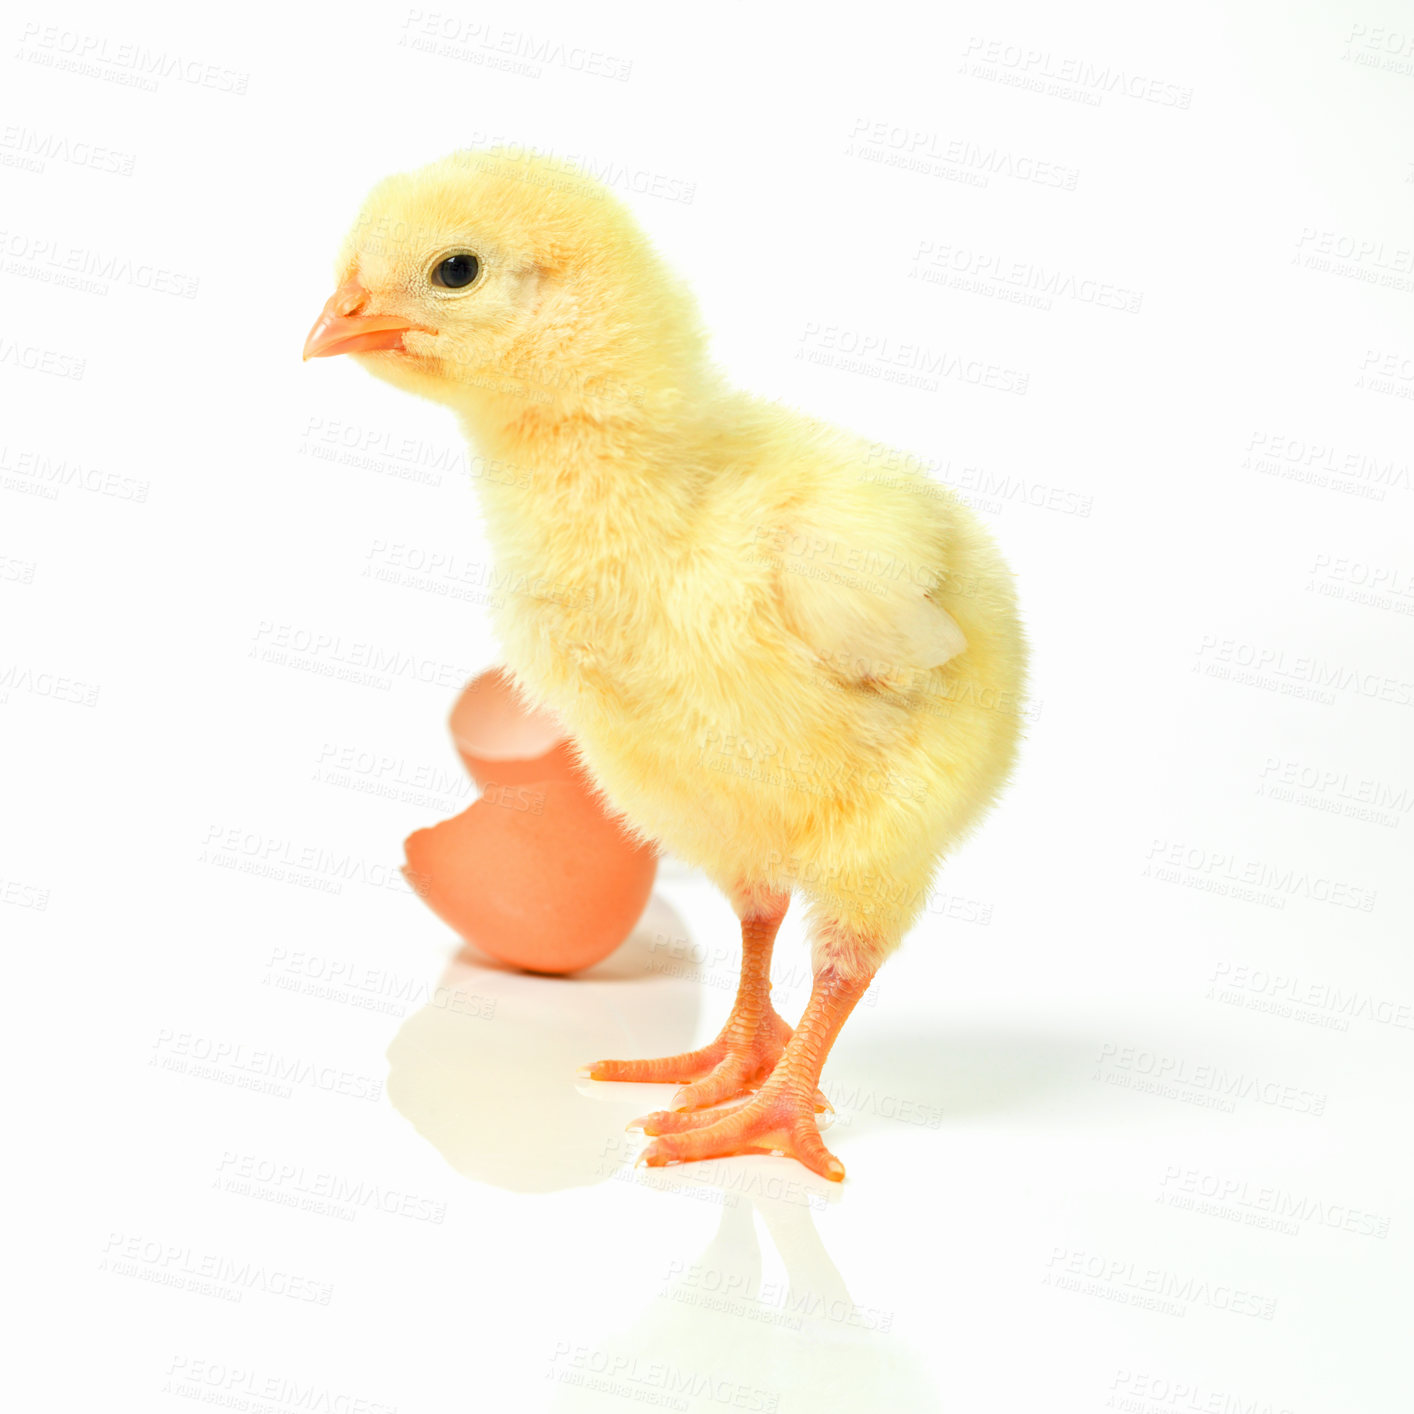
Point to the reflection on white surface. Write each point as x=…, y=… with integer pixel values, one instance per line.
x=723, y=1334
x=491, y=1083
x=490, y=1080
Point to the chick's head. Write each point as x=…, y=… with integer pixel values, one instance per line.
x=504, y=274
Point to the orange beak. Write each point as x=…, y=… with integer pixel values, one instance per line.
x=342, y=328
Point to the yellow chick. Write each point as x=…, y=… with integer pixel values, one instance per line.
x=784, y=652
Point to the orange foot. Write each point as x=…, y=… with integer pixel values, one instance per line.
x=777, y=1120
x=749, y=1045
x=780, y=1118
x=738, y=1061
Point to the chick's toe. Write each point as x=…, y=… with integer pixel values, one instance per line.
x=772, y=1122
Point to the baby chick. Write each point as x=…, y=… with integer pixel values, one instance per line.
x=785, y=654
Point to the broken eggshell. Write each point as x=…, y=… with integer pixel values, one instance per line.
x=501, y=740
x=536, y=873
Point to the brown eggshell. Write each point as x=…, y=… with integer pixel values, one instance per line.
x=499, y=740
x=535, y=874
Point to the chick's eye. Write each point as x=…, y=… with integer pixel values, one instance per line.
x=456, y=271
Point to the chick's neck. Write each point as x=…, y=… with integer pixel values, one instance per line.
x=586, y=482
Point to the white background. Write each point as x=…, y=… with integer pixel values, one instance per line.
x=1126, y=1121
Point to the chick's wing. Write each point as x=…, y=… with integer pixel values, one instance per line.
x=858, y=581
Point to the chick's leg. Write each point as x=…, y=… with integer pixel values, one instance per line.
x=780, y=1117
x=751, y=1042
